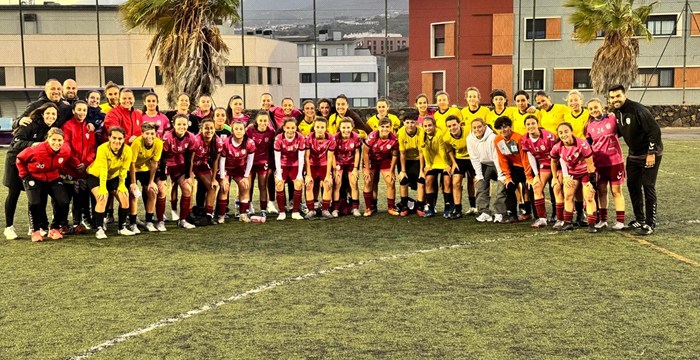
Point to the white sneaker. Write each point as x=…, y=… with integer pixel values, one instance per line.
x=484, y=217
x=221, y=219
x=335, y=213
x=618, y=226
x=498, y=218
x=185, y=225
x=174, y=215
x=125, y=231
x=161, y=226
x=100, y=234
x=10, y=233
x=472, y=211
x=356, y=213
x=601, y=225
x=271, y=208
x=539, y=223
x=150, y=227
x=327, y=214
x=244, y=218
x=134, y=229
x=297, y=216
x=282, y=216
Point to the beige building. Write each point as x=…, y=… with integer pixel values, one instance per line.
x=61, y=41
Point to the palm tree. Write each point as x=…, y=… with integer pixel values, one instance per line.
x=190, y=49
x=615, y=62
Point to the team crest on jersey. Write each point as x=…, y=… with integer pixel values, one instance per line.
x=607, y=126
x=628, y=121
x=31, y=183
x=60, y=160
x=179, y=148
x=189, y=123
x=542, y=147
x=158, y=123
x=388, y=146
x=352, y=145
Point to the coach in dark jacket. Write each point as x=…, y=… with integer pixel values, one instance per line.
x=53, y=93
x=643, y=137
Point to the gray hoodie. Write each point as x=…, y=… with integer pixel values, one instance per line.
x=483, y=151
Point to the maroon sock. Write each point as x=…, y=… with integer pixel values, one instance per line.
x=325, y=205
x=603, y=213
x=297, y=201
x=208, y=209
x=310, y=205
x=541, y=209
x=263, y=205
x=620, y=216
x=568, y=215
x=160, y=208
x=221, y=206
x=591, y=219
x=280, y=200
x=173, y=204
x=355, y=203
x=336, y=205
x=368, y=199
x=560, y=212
x=185, y=207
x=244, y=206
x=390, y=203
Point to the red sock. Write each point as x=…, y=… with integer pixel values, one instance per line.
x=173, y=204
x=297, y=201
x=591, y=219
x=560, y=212
x=620, y=216
x=541, y=209
x=356, y=204
x=280, y=200
x=263, y=205
x=368, y=199
x=209, y=210
x=244, y=206
x=185, y=207
x=390, y=203
x=603, y=213
x=310, y=205
x=336, y=205
x=568, y=215
x=325, y=205
x=221, y=206
x=160, y=208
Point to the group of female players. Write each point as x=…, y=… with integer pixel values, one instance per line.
x=319, y=151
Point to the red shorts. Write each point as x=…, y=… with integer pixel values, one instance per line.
x=202, y=170
x=583, y=178
x=260, y=168
x=383, y=165
x=546, y=169
x=344, y=169
x=175, y=172
x=318, y=172
x=290, y=173
x=614, y=174
x=236, y=173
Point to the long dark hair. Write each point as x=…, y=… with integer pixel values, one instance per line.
x=229, y=109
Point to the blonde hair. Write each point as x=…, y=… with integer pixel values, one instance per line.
x=574, y=92
x=54, y=131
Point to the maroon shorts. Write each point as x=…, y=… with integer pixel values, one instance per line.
x=202, y=170
x=546, y=168
x=384, y=165
x=614, y=174
x=318, y=172
x=175, y=172
x=260, y=168
x=236, y=173
x=345, y=169
x=583, y=178
x=290, y=173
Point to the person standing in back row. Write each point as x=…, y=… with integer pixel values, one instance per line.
x=643, y=137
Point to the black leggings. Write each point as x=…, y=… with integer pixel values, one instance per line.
x=641, y=178
x=37, y=195
x=11, y=205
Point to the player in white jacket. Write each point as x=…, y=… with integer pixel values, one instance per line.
x=484, y=158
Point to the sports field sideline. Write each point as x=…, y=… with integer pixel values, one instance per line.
x=384, y=287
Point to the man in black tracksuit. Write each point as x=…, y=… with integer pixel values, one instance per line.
x=643, y=137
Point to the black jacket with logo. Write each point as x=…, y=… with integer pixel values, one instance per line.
x=639, y=129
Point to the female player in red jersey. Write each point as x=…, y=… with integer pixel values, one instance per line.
x=236, y=163
x=39, y=168
x=152, y=114
x=289, y=150
x=423, y=110
x=380, y=154
x=577, y=157
x=320, y=149
x=347, y=165
x=205, y=167
x=178, y=151
x=234, y=110
x=601, y=132
x=264, y=137
x=538, y=143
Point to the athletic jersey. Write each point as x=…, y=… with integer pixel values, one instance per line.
x=493, y=115
x=458, y=145
x=263, y=144
x=434, y=151
x=140, y=155
x=225, y=132
x=552, y=118
x=175, y=148
x=203, y=152
x=237, y=155
x=108, y=165
x=333, y=124
x=468, y=115
x=441, y=117
x=578, y=122
x=510, y=153
x=574, y=156
x=428, y=113
x=519, y=120
x=411, y=145
x=381, y=149
x=289, y=148
x=373, y=123
x=160, y=119
x=318, y=149
x=540, y=148
x=345, y=148
x=604, y=142
x=304, y=127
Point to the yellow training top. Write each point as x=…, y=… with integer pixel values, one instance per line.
x=411, y=144
x=577, y=121
x=552, y=118
x=493, y=115
x=108, y=165
x=458, y=145
x=434, y=151
x=440, y=117
x=519, y=120
x=140, y=155
x=373, y=123
x=468, y=115
x=304, y=127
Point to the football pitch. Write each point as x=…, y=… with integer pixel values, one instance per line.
x=380, y=287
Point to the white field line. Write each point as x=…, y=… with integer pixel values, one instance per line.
x=685, y=146
x=272, y=285
x=677, y=174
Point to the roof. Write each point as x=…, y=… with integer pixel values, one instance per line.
x=57, y=7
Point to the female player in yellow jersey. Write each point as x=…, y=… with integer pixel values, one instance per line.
x=473, y=109
x=499, y=100
x=307, y=123
x=444, y=110
x=436, y=163
x=411, y=144
x=456, y=141
x=523, y=110
x=551, y=114
x=577, y=115
x=383, y=112
x=146, y=151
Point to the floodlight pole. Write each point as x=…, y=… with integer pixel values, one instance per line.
x=686, y=33
x=99, y=45
x=315, y=56
x=243, y=52
x=532, y=66
x=21, y=34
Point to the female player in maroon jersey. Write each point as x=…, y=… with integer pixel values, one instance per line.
x=577, y=157
x=380, y=153
x=347, y=164
x=289, y=161
x=178, y=151
x=236, y=163
x=264, y=137
x=320, y=148
x=205, y=166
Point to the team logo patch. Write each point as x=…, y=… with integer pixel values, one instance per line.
x=60, y=160
x=628, y=121
x=619, y=175
x=607, y=126
x=542, y=147
x=31, y=183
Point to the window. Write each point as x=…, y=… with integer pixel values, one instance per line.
x=582, y=79
x=533, y=80
x=361, y=77
x=42, y=74
x=443, y=39
x=306, y=78
x=114, y=74
x=659, y=25
x=236, y=75
x=279, y=76
x=335, y=77
x=260, y=75
x=159, y=76
x=31, y=24
x=540, y=31
x=360, y=102
x=274, y=76
x=324, y=52
x=654, y=78
x=3, y=81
